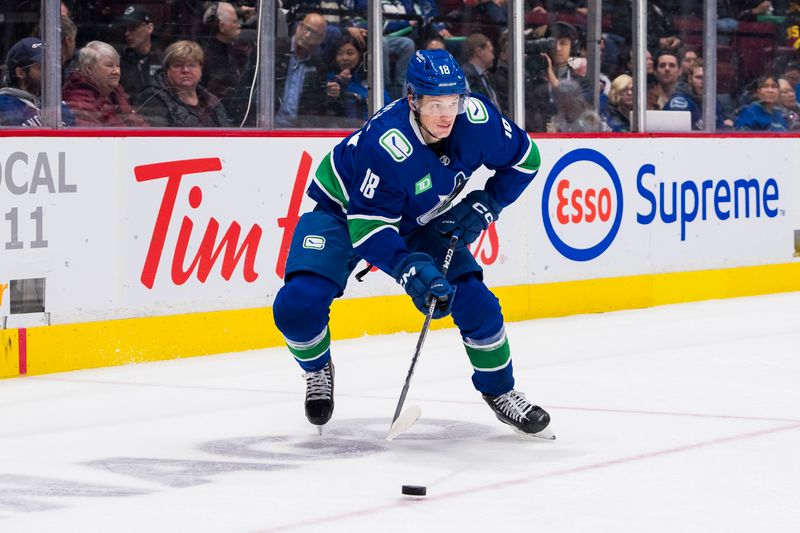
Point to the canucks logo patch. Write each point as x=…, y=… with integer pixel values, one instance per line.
x=396, y=144
x=423, y=185
x=314, y=242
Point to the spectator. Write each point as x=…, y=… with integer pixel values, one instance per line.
x=347, y=87
x=175, y=98
x=566, y=47
x=425, y=9
x=492, y=12
x=666, y=70
x=488, y=17
x=480, y=58
x=401, y=34
x=340, y=17
x=689, y=97
x=653, y=93
x=500, y=75
x=791, y=73
x=351, y=17
x=580, y=65
x=19, y=102
x=620, y=104
x=763, y=114
x=224, y=65
x=573, y=114
x=93, y=92
x=660, y=31
x=546, y=66
x=789, y=105
x=688, y=60
x=139, y=58
x=435, y=43
x=69, y=54
x=300, y=74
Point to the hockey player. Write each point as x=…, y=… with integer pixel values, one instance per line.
x=385, y=194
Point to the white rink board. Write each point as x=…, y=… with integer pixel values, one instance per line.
x=98, y=221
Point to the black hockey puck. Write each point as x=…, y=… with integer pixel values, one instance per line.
x=414, y=490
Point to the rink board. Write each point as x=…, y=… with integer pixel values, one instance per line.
x=123, y=231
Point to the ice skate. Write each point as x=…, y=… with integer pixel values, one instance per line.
x=319, y=395
x=513, y=409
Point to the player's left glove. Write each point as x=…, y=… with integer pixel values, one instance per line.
x=470, y=216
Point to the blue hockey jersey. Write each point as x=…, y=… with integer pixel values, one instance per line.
x=388, y=182
x=20, y=108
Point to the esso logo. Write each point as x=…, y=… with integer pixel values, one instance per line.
x=582, y=204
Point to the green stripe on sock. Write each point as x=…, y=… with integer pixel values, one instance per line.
x=312, y=352
x=488, y=360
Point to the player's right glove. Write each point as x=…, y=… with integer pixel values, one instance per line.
x=423, y=281
x=470, y=216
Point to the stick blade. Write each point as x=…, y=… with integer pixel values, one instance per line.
x=406, y=419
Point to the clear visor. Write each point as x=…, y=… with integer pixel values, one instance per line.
x=440, y=105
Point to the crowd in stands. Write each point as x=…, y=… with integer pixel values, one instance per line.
x=194, y=63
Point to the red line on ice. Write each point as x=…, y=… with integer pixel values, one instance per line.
x=527, y=479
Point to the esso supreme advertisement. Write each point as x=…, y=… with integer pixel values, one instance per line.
x=593, y=199
x=582, y=204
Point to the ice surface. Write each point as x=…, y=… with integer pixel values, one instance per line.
x=677, y=418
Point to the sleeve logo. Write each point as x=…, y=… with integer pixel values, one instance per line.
x=396, y=144
x=476, y=111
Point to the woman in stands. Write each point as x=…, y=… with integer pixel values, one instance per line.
x=93, y=92
x=175, y=96
x=620, y=104
x=789, y=105
x=763, y=114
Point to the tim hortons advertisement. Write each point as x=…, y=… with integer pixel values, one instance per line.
x=102, y=228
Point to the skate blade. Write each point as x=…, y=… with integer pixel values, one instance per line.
x=545, y=434
x=319, y=430
x=406, y=419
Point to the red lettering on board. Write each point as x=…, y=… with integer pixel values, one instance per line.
x=479, y=248
x=208, y=251
x=289, y=222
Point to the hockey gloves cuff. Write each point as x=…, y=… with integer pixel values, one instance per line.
x=470, y=216
x=423, y=281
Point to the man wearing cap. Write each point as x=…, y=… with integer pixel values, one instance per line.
x=140, y=59
x=19, y=101
x=225, y=65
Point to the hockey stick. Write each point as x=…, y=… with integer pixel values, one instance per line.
x=400, y=423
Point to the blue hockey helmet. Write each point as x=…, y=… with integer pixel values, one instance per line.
x=435, y=72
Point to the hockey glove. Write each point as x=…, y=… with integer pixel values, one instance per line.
x=423, y=281
x=470, y=216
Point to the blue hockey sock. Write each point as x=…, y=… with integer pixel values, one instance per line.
x=301, y=311
x=477, y=314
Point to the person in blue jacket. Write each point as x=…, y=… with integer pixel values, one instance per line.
x=689, y=97
x=347, y=88
x=763, y=114
x=19, y=100
x=387, y=193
